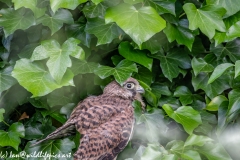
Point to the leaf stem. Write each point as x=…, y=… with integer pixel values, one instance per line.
x=182, y=15
x=6, y=123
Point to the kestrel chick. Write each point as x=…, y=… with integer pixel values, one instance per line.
x=105, y=121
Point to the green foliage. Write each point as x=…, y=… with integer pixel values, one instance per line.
x=184, y=53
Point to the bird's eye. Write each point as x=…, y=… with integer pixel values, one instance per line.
x=129, y=85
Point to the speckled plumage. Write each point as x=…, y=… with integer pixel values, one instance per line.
x=105, y=122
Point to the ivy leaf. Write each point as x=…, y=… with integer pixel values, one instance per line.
x=97, y=1
x=12, y=20
x=214, y=152
x=82, y=66
x=12, y=137
x=104, y=32
x=63, y=148
x=180, y=33
x=92, y=11
x=184, y=94
x=231, y=49
x=230, y=6
x=171, y=62
x=153, y=121
x=140, y=24
x=36, y=79
x=197, y=140
x=127, y=51
x=69, y=4
x=6, y=81
x=59, y=57
x=55, y=22
x=151, y=152
x=121, y=72
x=215, y=103
x=1, y=114
x=200, y=65
x=208, y=18
x=184, y=115
x=234, y=103
x=162, y=6
x=218, y=71
x=213, y=89
x=237, y=69
x=234, y=31
x=191, y=155
x=32, y=4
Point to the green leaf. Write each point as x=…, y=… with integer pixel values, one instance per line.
x=1, y=114
x=162, y=6
x=237, y=68
x=234, y=104
x=184, y=115
x=56, y=21
x=59, y=57
x=69, y=4
x=234, y=31
x=36, y=79
x=207, y=19
x=231, y=49
x=152, y=152
x=153, y=122
x=144, y=75
x=62, y=148
x=82, y=66
x=6, y=81
x=215, y=103
x=12, y=137
x=155, y=43
x=140, y=24
x=200, y=65
x=121, y=72
x=97, y=1
x=92, y=11
x=197, y=140
x=218, y=71
x=213, y=89
x=58, y=97
x=127, y=51
x=214, y=152
x=32, y=4
x=105, y=33
x=230, y=6
x=12, y=20
x=180, y=33
x=169, y=63
x=184, y=94
x=191, y=155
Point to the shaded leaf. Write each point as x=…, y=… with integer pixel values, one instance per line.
x=36, y=79
x=200, y=65
x=234, y=104
x=12, y=137
x=6, y=81
x=140, y=24
x=208, y=18
x=12, y=20
x=92, y=10
x=184, y=94
x=56, y=21
x=127, y=51
x=162, y=6
x=184, y=115
x=32, y=4
x=121, y=72
x=1, y=114
x=62, y=148
x=104, y=32
x=180, y=33
x=237, y=68
x=218, y=71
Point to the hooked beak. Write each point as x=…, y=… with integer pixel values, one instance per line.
x=140, y=89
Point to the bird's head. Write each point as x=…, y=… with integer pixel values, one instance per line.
x=130, y=89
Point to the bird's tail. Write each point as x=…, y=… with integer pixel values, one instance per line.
x=66, y=130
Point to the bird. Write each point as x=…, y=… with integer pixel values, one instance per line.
x=105, y=122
